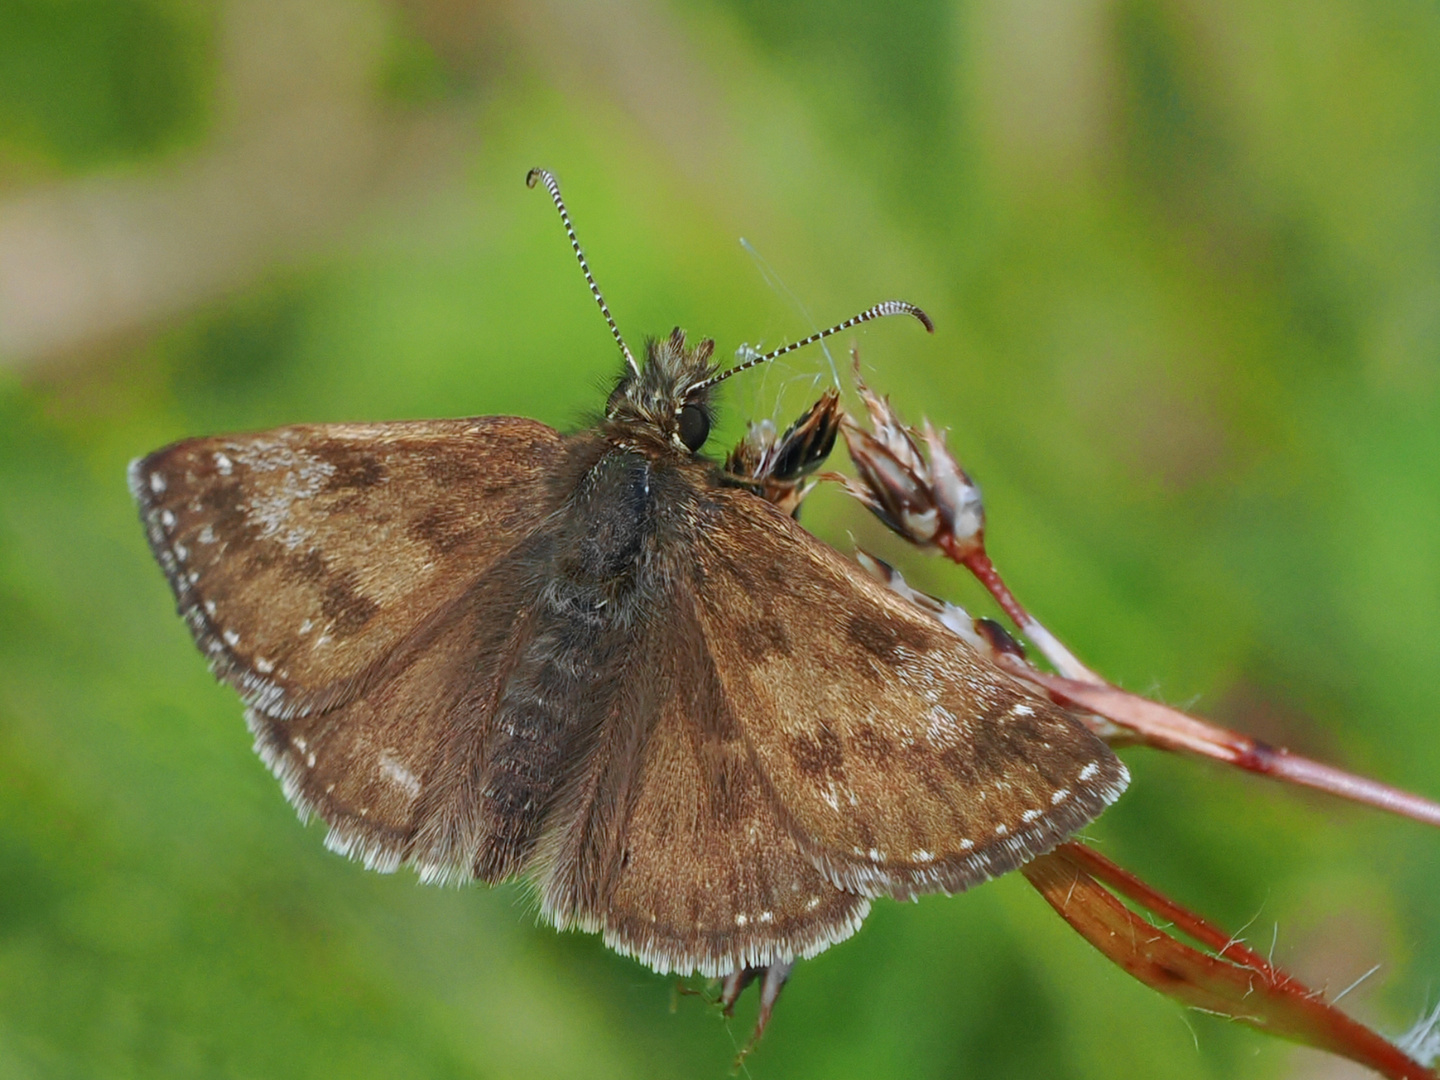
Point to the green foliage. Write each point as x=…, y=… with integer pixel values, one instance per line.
x=1189, y=342
x=93, y=81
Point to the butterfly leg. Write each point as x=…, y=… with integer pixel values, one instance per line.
x=772, y=981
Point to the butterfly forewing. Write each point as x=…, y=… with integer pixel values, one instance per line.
x=905, y=761
x=302, y=556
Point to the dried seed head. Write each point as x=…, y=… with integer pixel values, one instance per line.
x=925, y=497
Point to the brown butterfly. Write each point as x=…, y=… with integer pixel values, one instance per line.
x=605, y=664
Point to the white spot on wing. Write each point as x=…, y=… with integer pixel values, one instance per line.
x=157, y=483
x=231, y=638
x=223, y=464
x=393, y=770
x=1060, y=795
x=943, y=730
x=300, y=475
x=741, y=919
x=1089, y=771
x=1022, y=710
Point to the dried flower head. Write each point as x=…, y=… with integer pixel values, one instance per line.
x=925, y=497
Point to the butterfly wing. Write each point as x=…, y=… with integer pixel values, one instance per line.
x=904, y=761
x=774, y=739
x=404, y=771
x=301, y=557
x=366, y=588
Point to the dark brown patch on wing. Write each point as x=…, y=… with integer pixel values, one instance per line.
x=309, y=568
x=345, y=607
x=444, y=529
x=224, y=506
x=354, y=468
x=871, y=744
x=766, y=638
x=881, y=637
x=817, y=754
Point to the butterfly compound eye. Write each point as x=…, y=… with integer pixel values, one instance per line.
x=694, y=426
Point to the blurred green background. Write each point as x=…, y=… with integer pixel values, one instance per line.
x=1184, y=258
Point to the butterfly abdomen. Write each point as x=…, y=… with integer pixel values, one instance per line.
x=548, y=711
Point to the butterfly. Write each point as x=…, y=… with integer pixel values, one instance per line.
x=610, y=666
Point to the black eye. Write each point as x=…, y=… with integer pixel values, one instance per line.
x=694, y=426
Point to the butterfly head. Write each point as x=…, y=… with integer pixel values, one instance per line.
x=669, y=395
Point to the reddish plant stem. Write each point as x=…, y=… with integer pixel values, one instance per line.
x=978, y=563
x=972, y=556
x=1235, y=982
x=1116, y=877
x=1160, y=725
x=1169, y=729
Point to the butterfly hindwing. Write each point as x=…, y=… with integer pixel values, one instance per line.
x=670, y=842
x=400, y=771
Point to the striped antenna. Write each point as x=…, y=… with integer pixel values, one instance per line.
x=546, y=177
x=888, y=307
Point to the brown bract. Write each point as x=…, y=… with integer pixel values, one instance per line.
x=778, y=467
